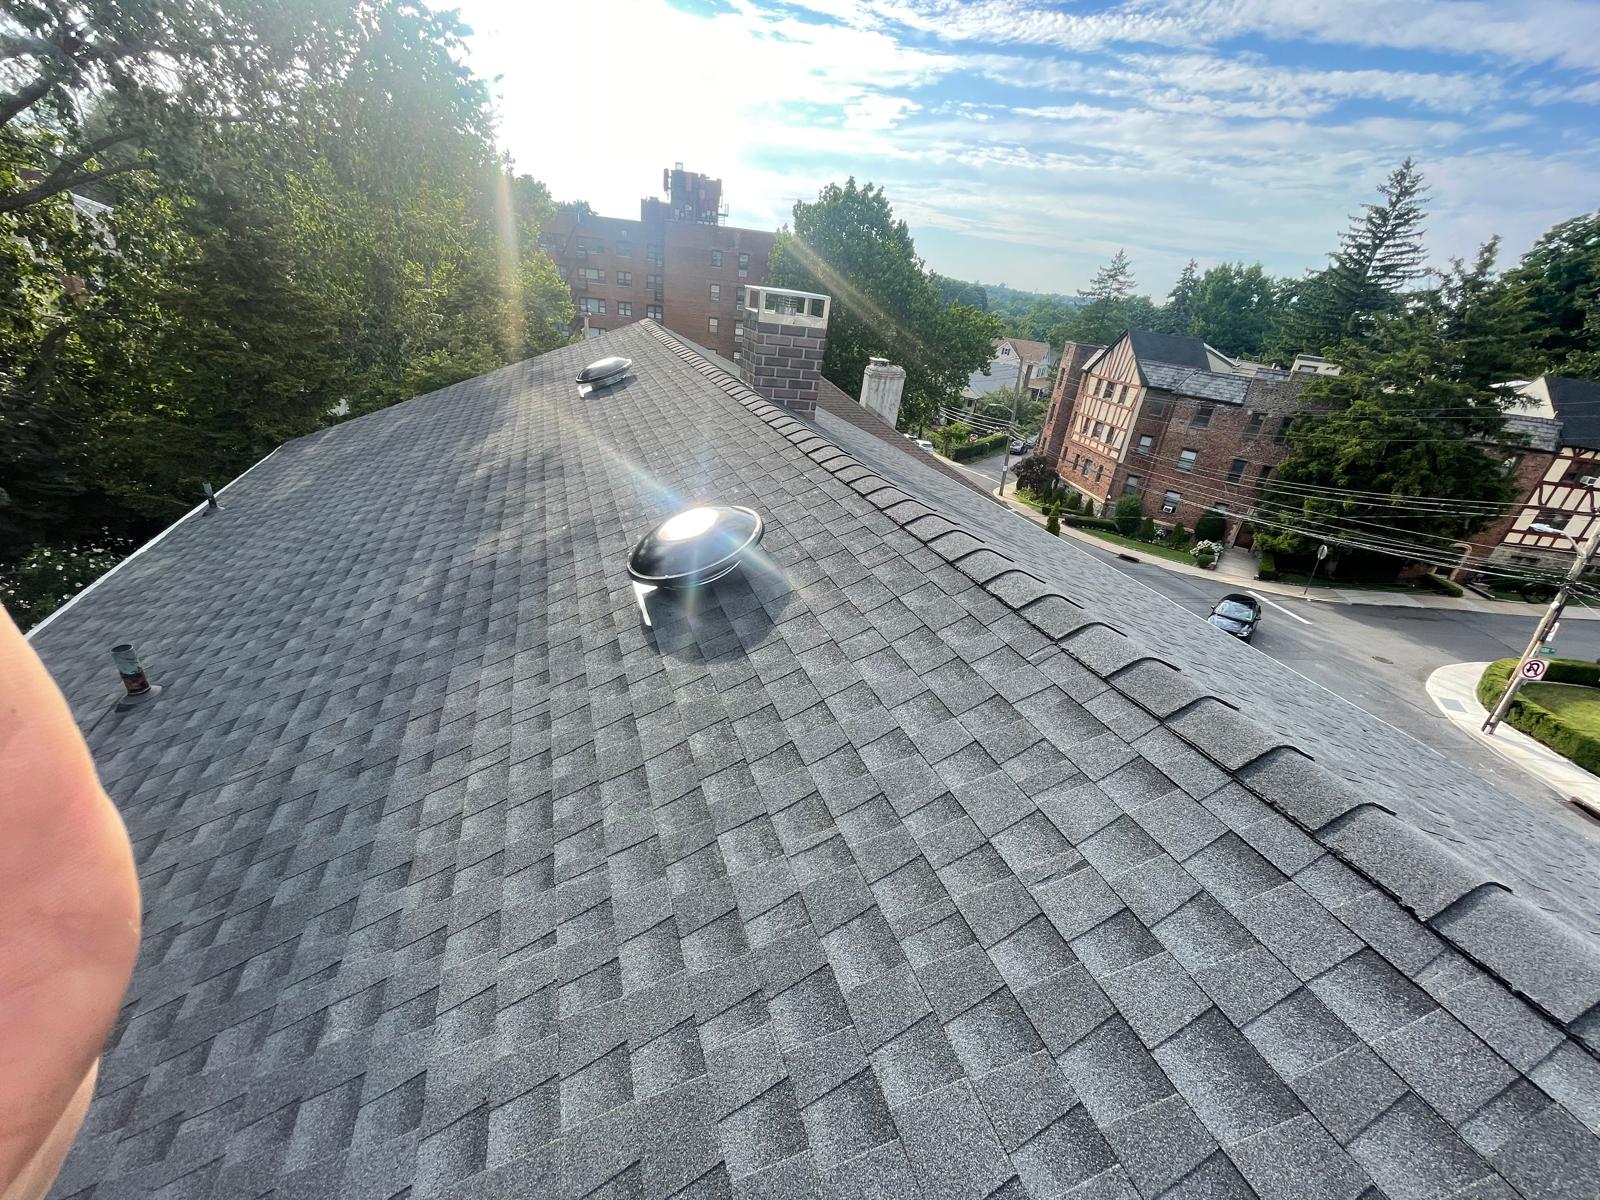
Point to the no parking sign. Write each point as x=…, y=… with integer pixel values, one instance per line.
x=1533, y=668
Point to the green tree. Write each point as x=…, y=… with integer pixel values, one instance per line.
x=1380, y=254
x=1128, y=513
x=1234, y=307
x=1561, y=277
x=959, y=291
x=948, y=437
x=848, y=244
x=1177, y=314
x=1103, y=314
x=1052, y=524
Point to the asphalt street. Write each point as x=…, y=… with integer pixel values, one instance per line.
x=1379, y=657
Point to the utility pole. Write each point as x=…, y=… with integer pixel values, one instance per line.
x=1546, y=622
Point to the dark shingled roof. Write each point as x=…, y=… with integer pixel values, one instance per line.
x=888, y=869
x=1577, y=404
x=1178, y=349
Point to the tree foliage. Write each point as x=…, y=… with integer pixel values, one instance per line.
x=1234, y=308
x=849, y=244
x=1177, y=314
x=313, y=221
x=1561, y=278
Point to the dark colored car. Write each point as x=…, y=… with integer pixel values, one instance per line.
x=1020, y=447
x=1237, y=614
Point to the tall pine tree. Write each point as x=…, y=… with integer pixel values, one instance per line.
x=1103, y=317
x=1177, y=314
x=1378, y=256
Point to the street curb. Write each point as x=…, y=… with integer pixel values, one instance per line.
x=1293, y=592
x=1454, y=692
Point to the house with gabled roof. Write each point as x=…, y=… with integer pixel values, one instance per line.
x=922, y=855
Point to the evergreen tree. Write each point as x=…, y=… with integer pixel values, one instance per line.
x=1378, y=256
x=1561, y=276
x=1103, y=316
x=1177, y=314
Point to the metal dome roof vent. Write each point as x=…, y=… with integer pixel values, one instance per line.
x=602, y=373
x=693, y=547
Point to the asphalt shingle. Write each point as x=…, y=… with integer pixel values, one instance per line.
x=842, y=878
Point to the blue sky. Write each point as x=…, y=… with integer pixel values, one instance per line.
x=1025, y=142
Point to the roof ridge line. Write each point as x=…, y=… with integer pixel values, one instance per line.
x=1393, y=855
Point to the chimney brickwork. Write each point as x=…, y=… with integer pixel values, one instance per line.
x=881, y=386
x=781, y=341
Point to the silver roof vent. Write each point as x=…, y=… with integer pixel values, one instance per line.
x=693, y=547
x=603, y=373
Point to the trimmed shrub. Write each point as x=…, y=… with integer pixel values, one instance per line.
x=1127, y=514
x=1178, y=536
x=1211, y=527
x=1440, y=584
x=1147, y=530
x=1205, y=552
x=1074, y=501
x=982, y=448
x=1267, y=566
x=1539, y=722
x=1082, y=522
x=1052, y=524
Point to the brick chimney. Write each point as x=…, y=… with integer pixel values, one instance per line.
x=881, y=385
x=781, y=338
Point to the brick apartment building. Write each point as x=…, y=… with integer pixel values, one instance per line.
x=677, y=263
x=1172, y=419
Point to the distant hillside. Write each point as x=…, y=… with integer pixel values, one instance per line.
x=1036, y=315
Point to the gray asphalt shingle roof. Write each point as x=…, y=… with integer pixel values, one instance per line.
x=1577, y=404
x=887, y=869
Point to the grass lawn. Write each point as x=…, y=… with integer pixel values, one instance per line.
x=1139, y=547
x=1575, y=704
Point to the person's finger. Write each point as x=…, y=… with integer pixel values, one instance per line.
x=69, y=908
x=41, y=1172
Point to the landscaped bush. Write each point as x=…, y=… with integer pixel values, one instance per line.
x=1074, y=501
x=1440, y=584
x=1267, y=566
x=1052, y=523
x=1082, y=522
x=982, y=448
x=1147, y=530
x=1128, y=513
x=1178, y=536
x=1210, y=528
x=1539, y=722
x=1205, y=552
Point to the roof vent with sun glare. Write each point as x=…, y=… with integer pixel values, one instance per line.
x=603, y=373
x=693, y=547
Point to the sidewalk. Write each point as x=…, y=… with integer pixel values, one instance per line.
x=1454, y=690
x=1237, y=567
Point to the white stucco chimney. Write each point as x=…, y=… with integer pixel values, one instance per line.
x=881, y=385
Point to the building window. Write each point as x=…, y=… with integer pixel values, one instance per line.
x=1553, y=516
x=738, y=329
x=1130, y=485
x=593, y=275
x=1236, y=471
x=1253, y=428
x=1170, y=502
x=591, y=245
x=1156, y=408
x=1145, y=442
x=711, y=324
x=1099, y=472
x=624, y=308
x=1186, y=459
x=624, y=278
x=738, y=355
x=592, y=305
x=1087, y=463
x=653, y=311
x=1202, y=416
x=1266, y=469
x=1283, y=430
x=738, y=297
x=716, y=258
x=744, y=266
x=624, y=250
x=716, y=291
x=653, y=253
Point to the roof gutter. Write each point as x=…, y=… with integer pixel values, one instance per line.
x=97, y=582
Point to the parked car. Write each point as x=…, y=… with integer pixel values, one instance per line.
x=1237, y=614
x=1020, y=447
x=924, y=443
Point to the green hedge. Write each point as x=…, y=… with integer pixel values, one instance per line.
x=1439, y=583
x=1539, y=722
x=1078, y=522
x=981, y=448
x=1267, y=566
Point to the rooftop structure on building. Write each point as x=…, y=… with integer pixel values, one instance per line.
x=680, y=263
x=924, y=856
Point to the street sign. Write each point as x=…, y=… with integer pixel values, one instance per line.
x=1533, y=668
x=1322, y=552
